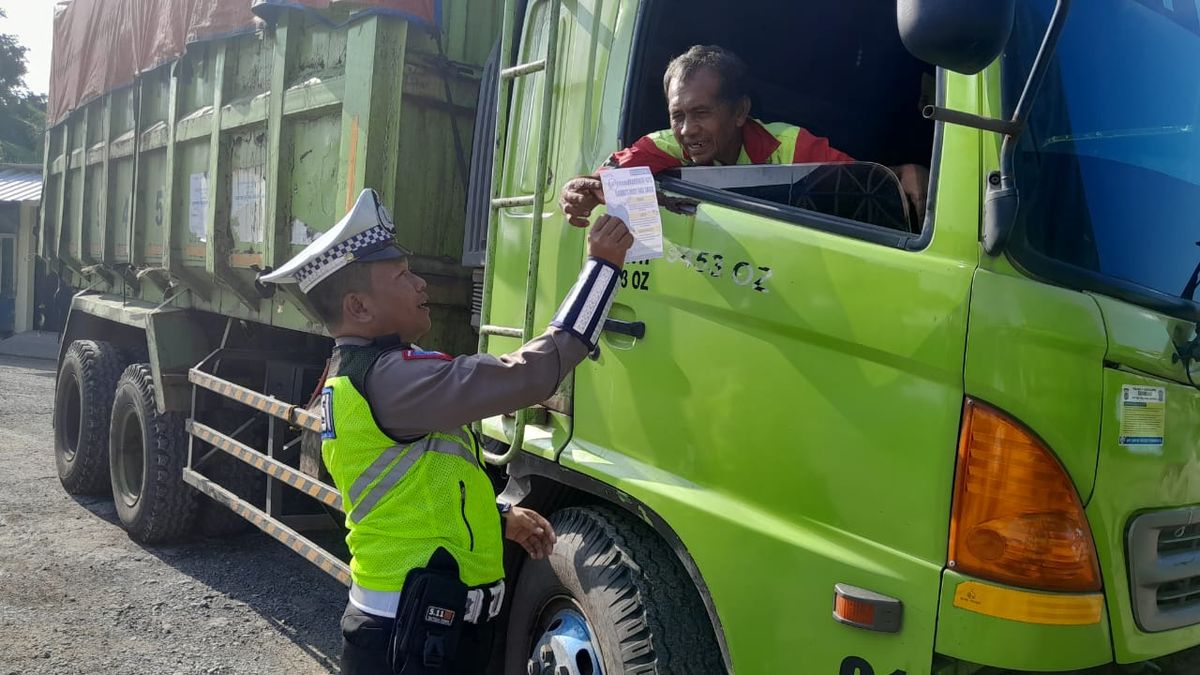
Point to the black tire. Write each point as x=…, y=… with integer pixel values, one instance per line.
x=629, y=587
x=87, y=381
x=147, y=453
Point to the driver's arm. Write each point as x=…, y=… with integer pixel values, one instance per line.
x=914, y=180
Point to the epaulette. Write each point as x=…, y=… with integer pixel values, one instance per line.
x=422, y=355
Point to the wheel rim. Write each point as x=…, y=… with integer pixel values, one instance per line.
x=71, y=422
x=128, y=457
x=565, y=645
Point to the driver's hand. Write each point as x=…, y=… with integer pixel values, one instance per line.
x=914, y=180
x=579, y=197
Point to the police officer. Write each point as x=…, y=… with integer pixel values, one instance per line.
x=425, y=531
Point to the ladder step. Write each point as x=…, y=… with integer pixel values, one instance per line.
x=503, y=331
x=523, y=69
x=512, y=202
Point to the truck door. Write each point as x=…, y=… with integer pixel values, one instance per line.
x=791, y=410
x=791, y=413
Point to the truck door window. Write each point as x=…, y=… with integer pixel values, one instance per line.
x=836, y=68
x=860, y=191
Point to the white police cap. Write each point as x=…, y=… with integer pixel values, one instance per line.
x=366, y=234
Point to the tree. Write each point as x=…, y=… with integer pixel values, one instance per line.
x=22, y=113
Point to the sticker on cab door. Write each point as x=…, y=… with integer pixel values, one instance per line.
x=1143, y=416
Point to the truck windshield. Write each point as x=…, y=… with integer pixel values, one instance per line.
x=1109, y=168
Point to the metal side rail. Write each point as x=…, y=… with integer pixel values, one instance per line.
x=312, y=487
x=289, y=537
x=271, y=519
x=292, y=414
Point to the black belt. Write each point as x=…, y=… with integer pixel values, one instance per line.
x=484, y=602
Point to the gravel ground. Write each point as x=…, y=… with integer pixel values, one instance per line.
x=78, y=596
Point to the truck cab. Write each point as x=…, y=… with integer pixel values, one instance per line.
x=980, y=424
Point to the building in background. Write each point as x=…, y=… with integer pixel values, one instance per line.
x=20, y=196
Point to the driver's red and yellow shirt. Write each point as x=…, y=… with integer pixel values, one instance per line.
x=776, y=143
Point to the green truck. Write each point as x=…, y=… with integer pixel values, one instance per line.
x=819, y=435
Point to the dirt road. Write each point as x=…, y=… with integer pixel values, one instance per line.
x=78, y=596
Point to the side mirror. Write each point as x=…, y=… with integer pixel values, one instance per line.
x=960, y=35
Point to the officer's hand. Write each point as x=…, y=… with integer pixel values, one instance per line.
x=579, y=197
x=529, y=529
x=610, y=240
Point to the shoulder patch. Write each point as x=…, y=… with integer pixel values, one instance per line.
x=328, y=432
x=422, y=355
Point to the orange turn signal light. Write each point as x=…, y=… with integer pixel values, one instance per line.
x=1017, y=518
x=866, y=609
x=853, y=611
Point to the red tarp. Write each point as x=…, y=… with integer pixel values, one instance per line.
x=101, y=45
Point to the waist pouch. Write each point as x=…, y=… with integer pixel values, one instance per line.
x=429, y=620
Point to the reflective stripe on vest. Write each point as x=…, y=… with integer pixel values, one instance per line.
x=775, y=143
x=390, y=468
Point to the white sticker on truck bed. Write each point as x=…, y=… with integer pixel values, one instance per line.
x=198, y=205
x=1143, y=415
x=248, y=202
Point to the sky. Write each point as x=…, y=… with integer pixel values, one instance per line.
x=31, y=21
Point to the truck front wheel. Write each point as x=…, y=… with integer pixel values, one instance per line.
x=83, y=400
x=603, y=601
x=147, y=452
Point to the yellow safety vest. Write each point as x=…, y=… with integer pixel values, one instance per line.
x=405, y=499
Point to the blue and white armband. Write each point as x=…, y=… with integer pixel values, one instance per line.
x=583, y=313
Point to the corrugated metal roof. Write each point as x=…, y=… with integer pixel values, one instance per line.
x=20, y=183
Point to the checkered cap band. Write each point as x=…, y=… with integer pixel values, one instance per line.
x=361, y=244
